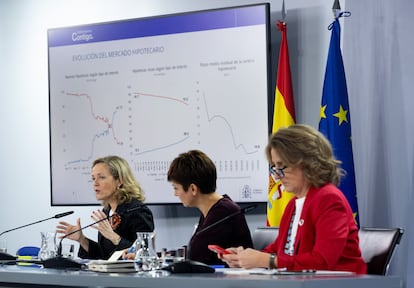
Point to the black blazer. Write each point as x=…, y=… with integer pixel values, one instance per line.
x=140, y=220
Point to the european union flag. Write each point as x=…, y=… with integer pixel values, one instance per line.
x=335, y=118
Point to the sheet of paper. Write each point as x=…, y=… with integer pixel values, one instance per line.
x=116, y=255
x=280, y=271
x=241, y=271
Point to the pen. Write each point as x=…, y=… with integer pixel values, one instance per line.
x=217, y=266
x=130, y=250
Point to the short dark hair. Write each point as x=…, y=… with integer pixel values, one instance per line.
x=194, y=167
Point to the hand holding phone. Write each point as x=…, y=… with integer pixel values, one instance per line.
x=218, y=249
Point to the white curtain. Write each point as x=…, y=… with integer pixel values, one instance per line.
x=378, y=51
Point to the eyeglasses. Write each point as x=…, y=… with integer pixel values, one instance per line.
x=277, y=172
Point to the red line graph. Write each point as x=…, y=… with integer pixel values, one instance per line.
x=104, y=119
x=159, y=96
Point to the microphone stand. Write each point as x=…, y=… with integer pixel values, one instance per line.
x=8, y=257
x=190, y=266
x=60, y=262
x=59, y=250
x=56, y=216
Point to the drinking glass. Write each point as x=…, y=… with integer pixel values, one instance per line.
x=3, y=246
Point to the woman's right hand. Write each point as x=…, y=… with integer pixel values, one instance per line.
x=128, y=254
x=65, y=228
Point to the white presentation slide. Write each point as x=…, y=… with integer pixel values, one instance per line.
x=150, y=97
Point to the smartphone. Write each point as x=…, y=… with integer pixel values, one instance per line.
x=218, y=249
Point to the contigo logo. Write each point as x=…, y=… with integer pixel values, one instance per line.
x=82, y=36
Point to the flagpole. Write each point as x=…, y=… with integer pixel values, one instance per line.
x=336, y=8
x=335, y=116
x=283, y=116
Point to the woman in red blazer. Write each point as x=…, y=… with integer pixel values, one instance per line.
x=317, y=229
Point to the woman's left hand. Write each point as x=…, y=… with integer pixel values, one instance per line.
x=104, y=226
x=246, y=258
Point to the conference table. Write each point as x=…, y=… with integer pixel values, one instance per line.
x=21, y=276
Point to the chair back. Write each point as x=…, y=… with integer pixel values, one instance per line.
x=263, y=236
x=32, y=251
x=378, y=246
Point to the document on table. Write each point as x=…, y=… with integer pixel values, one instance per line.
x=242, y=271
x=120, y=266
x=116, y=255
x=280, y=271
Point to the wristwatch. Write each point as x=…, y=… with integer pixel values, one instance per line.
x=272, y=261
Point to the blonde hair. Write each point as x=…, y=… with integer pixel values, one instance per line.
x=120, y=169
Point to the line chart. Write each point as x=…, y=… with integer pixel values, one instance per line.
x=148, y=107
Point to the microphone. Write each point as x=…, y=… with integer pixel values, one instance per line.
x=60, y=262
x=63, y=214
x=5, y=256
x=241, y=211
x=190, y=266
x=59, y=250
x=56, y=216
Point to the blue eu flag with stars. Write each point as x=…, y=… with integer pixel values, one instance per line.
x=335, y=118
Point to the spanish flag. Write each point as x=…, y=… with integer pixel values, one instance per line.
x=283, y=116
